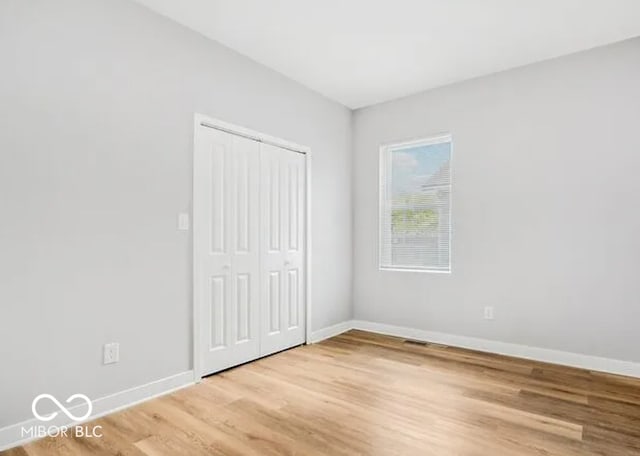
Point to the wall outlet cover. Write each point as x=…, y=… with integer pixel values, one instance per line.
x=111, y=353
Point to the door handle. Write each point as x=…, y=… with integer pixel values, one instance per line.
x=287, y=263
x=226, y=266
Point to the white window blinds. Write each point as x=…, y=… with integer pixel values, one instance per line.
x=415, y=205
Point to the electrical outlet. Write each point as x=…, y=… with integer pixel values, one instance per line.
x=488, y=313
x=111, y=353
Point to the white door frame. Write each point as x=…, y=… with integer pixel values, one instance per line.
x=202, y=121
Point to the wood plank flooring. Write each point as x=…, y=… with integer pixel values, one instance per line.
x=365, y=394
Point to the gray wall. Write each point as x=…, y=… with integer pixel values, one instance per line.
x=546, y=226
x=96, y=123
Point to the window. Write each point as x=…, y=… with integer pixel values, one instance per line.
x=415, y=205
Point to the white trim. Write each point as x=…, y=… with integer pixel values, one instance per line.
x=330, y=331
x=436, y=138
x=308, y=250
x=398, y=269
x=195, y=327
x=593, y=363
x=252, y=134
x=198, y=121
x=563, y=358
x=11, y=436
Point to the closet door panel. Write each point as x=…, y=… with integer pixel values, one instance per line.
x=283, y=214
x=226, y=248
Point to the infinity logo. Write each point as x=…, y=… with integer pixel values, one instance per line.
x=62, y=408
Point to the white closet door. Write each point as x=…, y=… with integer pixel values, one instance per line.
x=226, y=248
x=282, y=198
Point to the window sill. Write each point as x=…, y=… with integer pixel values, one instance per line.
x=433, y=271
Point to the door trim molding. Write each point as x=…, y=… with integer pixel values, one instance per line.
x=202, y=121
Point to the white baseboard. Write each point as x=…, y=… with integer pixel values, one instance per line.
x=12, y=436
x=326, y=333
x=593, y=363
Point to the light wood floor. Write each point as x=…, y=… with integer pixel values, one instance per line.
x=365, y=394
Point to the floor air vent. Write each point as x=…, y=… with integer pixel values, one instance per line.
x=415, y=342
x=423, y=343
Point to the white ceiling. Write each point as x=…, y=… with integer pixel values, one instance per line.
x=362, y=52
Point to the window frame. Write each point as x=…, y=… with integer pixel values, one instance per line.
x=383, y=170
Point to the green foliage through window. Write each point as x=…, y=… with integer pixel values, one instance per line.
x=414, y=221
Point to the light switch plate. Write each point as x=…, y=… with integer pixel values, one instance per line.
x=183, y=221
x=488, y=313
